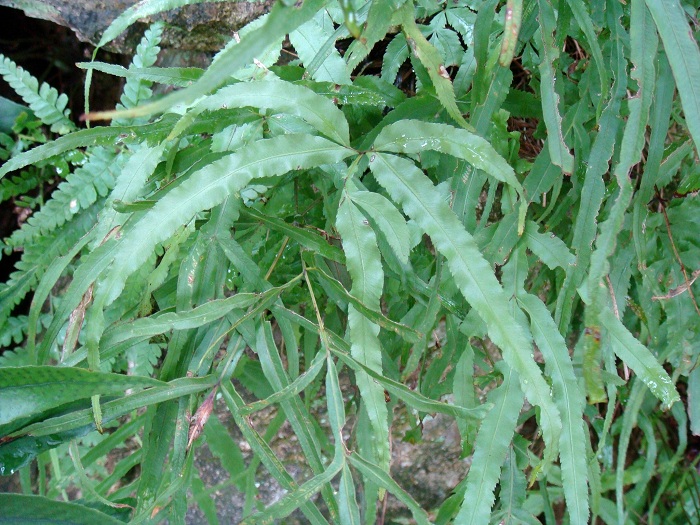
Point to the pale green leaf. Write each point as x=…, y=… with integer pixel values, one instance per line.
x=128, y=187
x=569, y=400
x=414, y=136
x=307, y=41
x=168, y=76
x=281, y=20
x=365, y=268
x=558, y=150
x=492, y=442
x=388, y=219
x=107, y=135
x=43, y=100
x=142, y=10
x=549, y=248
x=408, y=186
x=431, y=59
x=684, y=56
x=639, y=359
x=209, y=186
x=282, y=97
x=382, y=479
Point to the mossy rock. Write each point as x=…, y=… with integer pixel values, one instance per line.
x=202, y=27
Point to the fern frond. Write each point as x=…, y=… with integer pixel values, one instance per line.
x=44, y=100
x=138, y=90
x=13, y=331
x=17, y=357
x=79, y=191
x=20, y=184
x=38, y=256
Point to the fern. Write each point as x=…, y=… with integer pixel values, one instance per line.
x=38, y=255
x=274, y=219
x=20, y=184
x=14, y=332
x=43, y=100
x=136, y=90
x=81, y=189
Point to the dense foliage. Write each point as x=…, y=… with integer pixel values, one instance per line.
x=484, y=210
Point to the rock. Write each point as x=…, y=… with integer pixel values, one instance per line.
x=202, y=27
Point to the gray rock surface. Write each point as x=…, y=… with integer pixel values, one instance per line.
x=201, y=27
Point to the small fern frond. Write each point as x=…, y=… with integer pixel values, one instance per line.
x=21, y=184
x=44, y=100
x=79, y=191
x=13, y=331
x=17, y=357
x=38, y=256
x=138, y=90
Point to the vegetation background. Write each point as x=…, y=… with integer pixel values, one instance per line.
x=361, y=215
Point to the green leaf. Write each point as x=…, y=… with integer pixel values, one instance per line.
x=292, y=389
x=365, y=268
x=30, y=390
x=141, y=10
x=693, y=404
x=128, y=187
x=643, y=53
x=409, y=334
x=684, y=56
x=281, y=20
x=168, y=76
x=569, y=400
x=347, y=502
x=412, y=398
x=265, y=453
x=43, y=100
x=492, y=442
x=164, y=321
x=308, y=40
x=549, y=248
x=578, y=8
x=407, y=185
x=102, y=135
x=283, y=97
x=209, y=186
x=300, y=421
x=414, y=136
x=118, y=407
x=430, y=58
x=382, y=479
x=308, y=239
x=558, y=150
x=639, y=358
x=395, y=55
x=379, y=20
x=25, y=510
x=388, y=219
